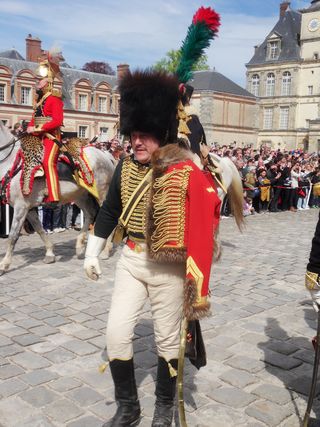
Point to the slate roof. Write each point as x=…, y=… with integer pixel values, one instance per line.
x=70, y=76
x=315, y=5
x=11, y=54
x=288, y=28
x=216, y=82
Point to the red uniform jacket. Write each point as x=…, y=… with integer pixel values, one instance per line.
x=51, y=107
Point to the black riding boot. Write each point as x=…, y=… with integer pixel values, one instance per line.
x=128, y=412
x=165, y=393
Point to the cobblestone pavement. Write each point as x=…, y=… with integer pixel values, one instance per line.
x=52, y=324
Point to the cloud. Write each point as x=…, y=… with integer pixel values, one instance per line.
x=13, y=7
x=234, y=47
x=138, y=32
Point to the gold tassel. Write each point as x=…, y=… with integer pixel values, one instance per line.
x=173, y=372
x=118, y=234
x=183, y=119
x=103, y=367
x=183, y=127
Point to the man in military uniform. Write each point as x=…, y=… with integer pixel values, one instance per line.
x=196, y=137
x=46, y=122
x=167, y=210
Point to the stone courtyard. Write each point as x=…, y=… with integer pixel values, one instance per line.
x=52, y=324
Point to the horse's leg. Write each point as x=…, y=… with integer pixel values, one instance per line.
x=90, y=208
x=19, y=216
x=217, y=250
x=105, y=254
x=36, y=224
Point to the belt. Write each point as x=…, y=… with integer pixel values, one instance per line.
x=41, y=120
x=135, y=246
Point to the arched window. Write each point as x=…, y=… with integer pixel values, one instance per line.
x=286, y=83
x=270, y=84
x=255, y=85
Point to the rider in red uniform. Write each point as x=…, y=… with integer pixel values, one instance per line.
x=46, y=122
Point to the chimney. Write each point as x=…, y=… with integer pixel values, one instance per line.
x=283, y=8
x=33, y=48
x=256, y=47
x=122, y=69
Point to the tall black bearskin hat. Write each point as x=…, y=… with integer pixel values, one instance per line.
x=148, y=103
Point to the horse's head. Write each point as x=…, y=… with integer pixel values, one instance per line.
x=5, y=134
x=8, y=149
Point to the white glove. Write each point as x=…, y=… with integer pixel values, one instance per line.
x=313, y=286
x=91, y=264
x=315, y=295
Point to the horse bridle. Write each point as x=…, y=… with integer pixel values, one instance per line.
x=11, y=143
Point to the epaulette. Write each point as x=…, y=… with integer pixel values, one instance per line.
x=57, y=93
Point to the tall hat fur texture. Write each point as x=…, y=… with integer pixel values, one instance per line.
x=148, y=104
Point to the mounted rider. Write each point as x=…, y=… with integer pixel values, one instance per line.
x=46, y=122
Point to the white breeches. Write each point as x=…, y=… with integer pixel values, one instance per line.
x=138, y=278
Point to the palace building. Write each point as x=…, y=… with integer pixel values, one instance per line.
x=227, y=112
x=90, y=99
x=284, y=74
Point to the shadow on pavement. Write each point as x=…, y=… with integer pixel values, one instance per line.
x=283, y=358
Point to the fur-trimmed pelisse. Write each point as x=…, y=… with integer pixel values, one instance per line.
x=148, y=103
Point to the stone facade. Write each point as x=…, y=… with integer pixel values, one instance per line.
x=284, y=74
x=227, y=112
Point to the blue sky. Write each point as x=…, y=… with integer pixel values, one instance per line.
x=137, y=32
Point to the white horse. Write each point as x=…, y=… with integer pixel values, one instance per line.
x=102, y=165
x=231, y=186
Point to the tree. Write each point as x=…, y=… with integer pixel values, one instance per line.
x=99, y=67
x=171, y=60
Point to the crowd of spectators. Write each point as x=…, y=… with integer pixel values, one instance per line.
x=275, y=180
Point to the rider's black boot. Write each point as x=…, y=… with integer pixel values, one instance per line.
x=128, y=412
x=165, y=393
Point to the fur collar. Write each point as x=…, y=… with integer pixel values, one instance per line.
x=169, y=155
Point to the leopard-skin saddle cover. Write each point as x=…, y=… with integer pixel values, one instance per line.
x=30, y=158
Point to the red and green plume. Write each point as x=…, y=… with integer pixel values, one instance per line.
x=204, y=28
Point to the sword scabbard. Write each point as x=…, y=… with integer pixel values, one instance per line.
x=314, y=376
x=182, y=349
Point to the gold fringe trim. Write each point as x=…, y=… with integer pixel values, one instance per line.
x=131, y=176
x=193, y=308
x=311, y=281
x=169, y=201
x=173, y=372
x=102, y=368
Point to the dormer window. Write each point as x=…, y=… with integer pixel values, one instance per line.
x=25, y=95
x=274, y=50
x=2, y=92
x=273, y=47
x=83, y=102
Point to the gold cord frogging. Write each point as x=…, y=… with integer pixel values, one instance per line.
x=169, y=204
x=131, y=176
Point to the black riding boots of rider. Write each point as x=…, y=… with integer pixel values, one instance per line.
x=126, y=395
x=165, y=393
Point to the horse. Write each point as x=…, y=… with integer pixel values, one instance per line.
x=102, y=165
x=229, y=185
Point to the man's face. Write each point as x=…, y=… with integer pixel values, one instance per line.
x=143, y=146
x=42, y=84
